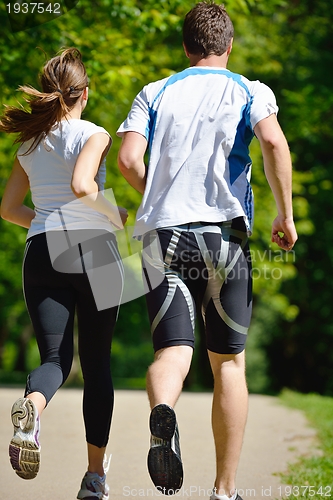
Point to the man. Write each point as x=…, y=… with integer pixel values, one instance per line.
x=198, y=206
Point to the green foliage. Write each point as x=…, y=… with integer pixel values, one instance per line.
x=317, y=470
x=296, y=61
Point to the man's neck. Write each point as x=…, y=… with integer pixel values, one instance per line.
x=212, y=60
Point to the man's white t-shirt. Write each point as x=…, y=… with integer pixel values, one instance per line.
x=49, y=168
x=198, y=124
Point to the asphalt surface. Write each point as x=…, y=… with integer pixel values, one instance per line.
x=274, y=437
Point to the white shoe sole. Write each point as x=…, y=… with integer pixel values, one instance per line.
x=24, y=451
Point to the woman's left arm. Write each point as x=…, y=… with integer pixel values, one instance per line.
x=83, y=182
x=12, y=208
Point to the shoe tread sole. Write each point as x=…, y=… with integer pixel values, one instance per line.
x=164, y=465
x=163, y=422
x=165, y=469
x=24, y=453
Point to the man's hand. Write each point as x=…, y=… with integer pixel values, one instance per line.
x=284, y=233
x=118, y=216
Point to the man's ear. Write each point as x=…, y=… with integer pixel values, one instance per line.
x=186, y=51
x=229, y=49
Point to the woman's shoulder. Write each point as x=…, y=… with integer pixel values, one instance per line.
x=78, y=130
x=24, y=147
x=85, y=126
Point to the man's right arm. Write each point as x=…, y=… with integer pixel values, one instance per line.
x=131, y=160
x=278, y=171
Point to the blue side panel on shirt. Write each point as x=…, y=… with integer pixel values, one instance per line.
x=239, y=159
x=239, y=154
x=249, y=200
x=151, y=126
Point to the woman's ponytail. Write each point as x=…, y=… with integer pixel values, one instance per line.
x=63, y=80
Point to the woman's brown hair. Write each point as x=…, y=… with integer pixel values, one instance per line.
x=63, y=80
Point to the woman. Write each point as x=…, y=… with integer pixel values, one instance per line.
x=71, y=261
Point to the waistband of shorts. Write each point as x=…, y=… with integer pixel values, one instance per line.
x=236, y=227
x=236, y=223
x=197, y=225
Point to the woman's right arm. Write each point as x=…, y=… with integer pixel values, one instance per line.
x=12, y=208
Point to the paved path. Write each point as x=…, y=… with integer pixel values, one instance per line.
x=274, y=436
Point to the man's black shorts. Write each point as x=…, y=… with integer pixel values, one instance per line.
x=206, y=269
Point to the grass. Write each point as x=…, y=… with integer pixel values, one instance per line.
x=312, y=477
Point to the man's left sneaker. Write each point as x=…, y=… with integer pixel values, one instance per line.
x=24, y=447
x=164, y=460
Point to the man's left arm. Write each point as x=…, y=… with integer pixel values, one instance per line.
x=131, y=160
x=278, y=171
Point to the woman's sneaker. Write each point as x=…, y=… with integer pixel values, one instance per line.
x=235, y=496
x=93, y=486
x=164, y=460
x=24, y=448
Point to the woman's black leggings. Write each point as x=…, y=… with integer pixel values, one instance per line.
x=86, y=273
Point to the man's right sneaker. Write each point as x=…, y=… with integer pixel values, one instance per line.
x=24, y=448
x=164, y=460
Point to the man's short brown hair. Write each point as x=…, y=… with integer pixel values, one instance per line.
x=207, y=29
